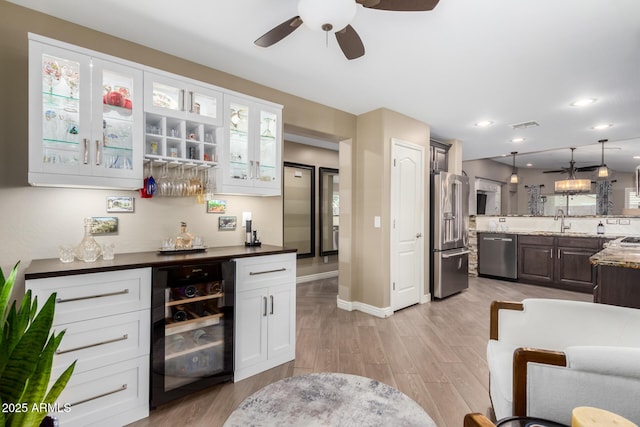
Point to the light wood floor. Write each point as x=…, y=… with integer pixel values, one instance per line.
x=434, y=352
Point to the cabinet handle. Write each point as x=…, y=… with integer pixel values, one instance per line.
x=258, y=170
x=265, y=306
x=110, y=294
x=271, y=297
x=122, y=388
x=122, y=338
x=182, y=96
x=559, y=253
x=550, y=253
x=191, y=101
x=98, y=152
x=252, y=273
x=251, y=170
x=85, y=154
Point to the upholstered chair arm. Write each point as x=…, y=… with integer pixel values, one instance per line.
x=496, y=306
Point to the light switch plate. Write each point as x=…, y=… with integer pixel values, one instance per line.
x=376, y=221
x=502, y=219
x=612, y=221
x=625, y=221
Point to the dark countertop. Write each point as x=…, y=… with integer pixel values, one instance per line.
x=52, y=267
x=617, y=257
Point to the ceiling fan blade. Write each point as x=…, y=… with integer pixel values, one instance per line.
x=350, y=42
x=400, y=5
x=587, y=168
x=556, y=171
x=279, y=32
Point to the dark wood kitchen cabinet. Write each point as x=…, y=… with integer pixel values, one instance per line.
x=618, y=286
x=558, y=261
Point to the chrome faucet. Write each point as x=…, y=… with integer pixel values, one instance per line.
x=560, y=213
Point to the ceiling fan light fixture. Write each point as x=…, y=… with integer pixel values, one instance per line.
x=572, y=186
x=327, y=15
x=583, y=102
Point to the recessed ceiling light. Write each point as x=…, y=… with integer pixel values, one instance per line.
x=636, y=157
x=517, y=140
x=602, y=126
x=529, y=165
x=484, y=123
x=583, y=102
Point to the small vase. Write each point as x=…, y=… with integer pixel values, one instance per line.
x=88, y=250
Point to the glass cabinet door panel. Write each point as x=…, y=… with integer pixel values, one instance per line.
x=166, y=96
x=61, y=110
x=267, y=163
x=203, y=104
x=239, y=162
x=117, y=119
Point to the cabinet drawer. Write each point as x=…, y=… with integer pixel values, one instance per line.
x=535, y=240
x=117, y=394
x=99, y=342
x=89, y=296
x=264, y=270
x=580, y=242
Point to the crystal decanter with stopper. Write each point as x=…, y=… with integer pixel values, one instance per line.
x=88, y=250
x=184, y=239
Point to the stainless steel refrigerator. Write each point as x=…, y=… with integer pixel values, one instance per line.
x=449, y=234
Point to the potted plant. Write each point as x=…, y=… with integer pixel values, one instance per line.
x=26, y=356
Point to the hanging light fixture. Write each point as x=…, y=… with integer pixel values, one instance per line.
x=572, y=185
x=513, y=179
x=327, y=15
x=603, y=170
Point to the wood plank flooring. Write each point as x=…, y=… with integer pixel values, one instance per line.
x=434, y=352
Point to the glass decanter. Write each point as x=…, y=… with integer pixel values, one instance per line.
x=184, y=239
x=88, y=250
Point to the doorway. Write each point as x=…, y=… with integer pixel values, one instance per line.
x=407, y=223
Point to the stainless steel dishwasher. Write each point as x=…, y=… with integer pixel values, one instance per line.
x=498, y=255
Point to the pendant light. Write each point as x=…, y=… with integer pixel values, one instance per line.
x=572, y=185
x=513, y=179
x=603, y=170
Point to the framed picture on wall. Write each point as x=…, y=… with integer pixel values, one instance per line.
x=227, y=223
x=216, y=206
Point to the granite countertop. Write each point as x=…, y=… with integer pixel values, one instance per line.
x=551, y=233
x=617, y=257
x=52, y=267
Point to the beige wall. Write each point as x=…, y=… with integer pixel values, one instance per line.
x=318, y=157
x=36, y=220
x=370, y=276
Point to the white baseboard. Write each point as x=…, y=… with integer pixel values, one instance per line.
x=317, y=276
x=365, y=308
x=425, y=298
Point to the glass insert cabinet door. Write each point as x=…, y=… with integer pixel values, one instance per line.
x=116, y=122
x=62, y=99
x=267, y=160
x=240, y=165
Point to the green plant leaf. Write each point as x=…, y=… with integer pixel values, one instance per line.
x=23, y=359
x=6, y=287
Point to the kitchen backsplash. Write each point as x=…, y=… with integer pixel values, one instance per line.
x=613, y=226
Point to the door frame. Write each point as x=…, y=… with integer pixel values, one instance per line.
x=395, y=142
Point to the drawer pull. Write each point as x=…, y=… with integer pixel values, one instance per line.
x=122, y=338
x=123, y=292
x=251, y=273
x=271, y=297
x=264, y=314
x=123, y=388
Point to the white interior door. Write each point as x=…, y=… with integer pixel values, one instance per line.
x=407, y=226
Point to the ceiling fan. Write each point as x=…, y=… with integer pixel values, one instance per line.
x=572, y=169
x=335, y=16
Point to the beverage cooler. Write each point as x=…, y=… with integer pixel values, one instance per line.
x=192, y=328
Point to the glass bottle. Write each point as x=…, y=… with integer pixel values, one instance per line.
x=88, y=250
x=184, y=239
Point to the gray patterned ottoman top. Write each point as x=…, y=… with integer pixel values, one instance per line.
x=328, y=399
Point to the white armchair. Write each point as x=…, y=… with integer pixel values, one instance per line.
x=547, y=357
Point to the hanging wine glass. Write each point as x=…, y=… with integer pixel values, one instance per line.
x=267, y=124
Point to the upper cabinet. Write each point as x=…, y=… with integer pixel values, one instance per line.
x=251, y=154
x=85, y=119
x=182, y=99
